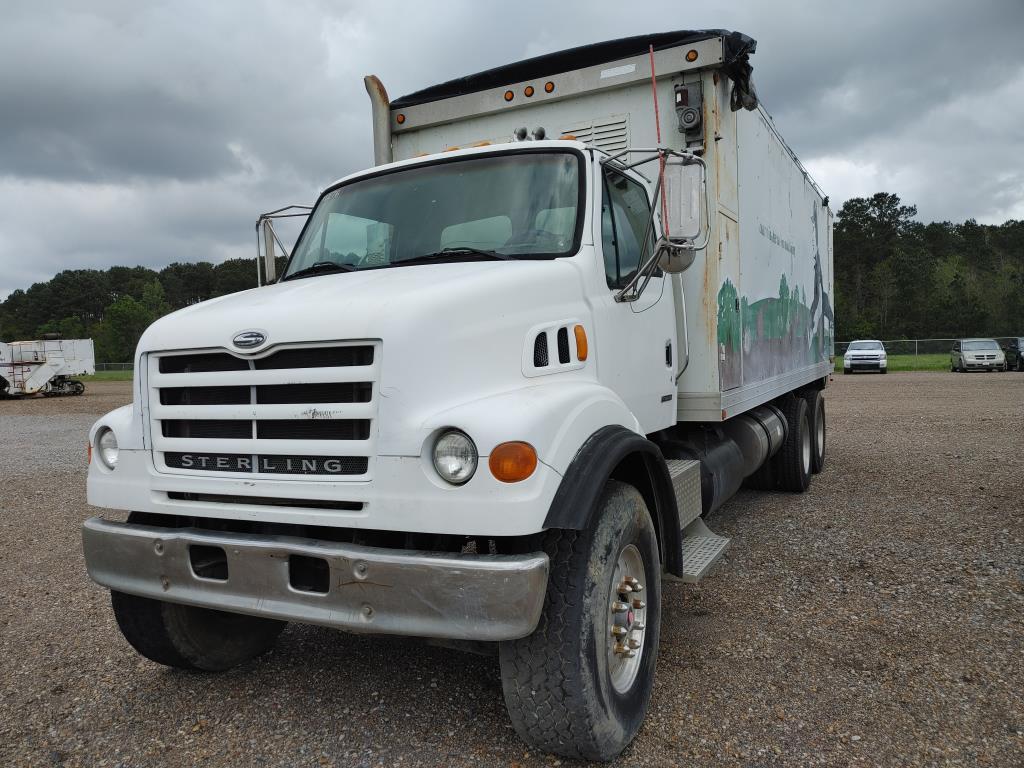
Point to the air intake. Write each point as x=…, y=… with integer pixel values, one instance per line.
x=540, y=350
x=563, y=346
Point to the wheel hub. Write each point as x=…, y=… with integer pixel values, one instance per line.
x=627, y=614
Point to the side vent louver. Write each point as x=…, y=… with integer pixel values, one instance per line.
x=540, y=350
x=563, y=345
x=552, y=348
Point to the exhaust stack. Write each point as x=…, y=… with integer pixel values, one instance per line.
x=381, y=120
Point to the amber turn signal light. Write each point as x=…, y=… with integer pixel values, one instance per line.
x=581, y=342
x=512, y=462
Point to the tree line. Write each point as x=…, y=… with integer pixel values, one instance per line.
x=895, y=277
x=114, y=306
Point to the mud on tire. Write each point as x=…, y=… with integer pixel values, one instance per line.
x=558, y=681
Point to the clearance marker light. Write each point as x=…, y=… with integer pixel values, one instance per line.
x=400, y=119
x=528, y=91
x=509, y=95
x=691, y=55
x=549, y=87
x=581, y=342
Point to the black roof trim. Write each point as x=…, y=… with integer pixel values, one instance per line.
x=737, y=48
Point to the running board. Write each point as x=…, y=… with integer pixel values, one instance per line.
x=701, y=550
x=701, y=547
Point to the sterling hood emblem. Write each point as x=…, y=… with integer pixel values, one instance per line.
x=249, y=339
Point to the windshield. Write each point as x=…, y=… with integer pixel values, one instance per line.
x=519, y=205
x=977, y=346
x=875, y=345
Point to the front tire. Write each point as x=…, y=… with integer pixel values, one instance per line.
x=580, y=685
x=187, y=637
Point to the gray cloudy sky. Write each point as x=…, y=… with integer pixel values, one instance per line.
x=151, y=132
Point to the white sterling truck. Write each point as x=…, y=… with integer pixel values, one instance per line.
x=505, y=380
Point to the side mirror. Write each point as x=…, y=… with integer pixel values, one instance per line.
x=683, y=184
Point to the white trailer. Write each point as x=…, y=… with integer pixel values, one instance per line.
x=506, y=375
x=45, y=366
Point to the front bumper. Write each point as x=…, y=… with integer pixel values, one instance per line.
x=372, y=590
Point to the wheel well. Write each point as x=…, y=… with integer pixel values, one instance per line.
x=633, y=470
x=615, y=452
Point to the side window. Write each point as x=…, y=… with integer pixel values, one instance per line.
x=625, y=213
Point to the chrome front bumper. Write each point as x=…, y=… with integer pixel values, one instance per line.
x=383, y=591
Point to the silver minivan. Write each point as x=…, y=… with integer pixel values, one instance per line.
x=976, y=355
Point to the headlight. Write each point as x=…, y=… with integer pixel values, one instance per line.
x=455, y=457
x=106, y=447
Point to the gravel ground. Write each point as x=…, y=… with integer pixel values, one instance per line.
x=876, y=619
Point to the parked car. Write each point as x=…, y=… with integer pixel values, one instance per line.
x=865, y=355
x=1014, y=353
x=976, y=355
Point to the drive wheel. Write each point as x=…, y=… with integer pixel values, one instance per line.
x=187, y=637
x=794, y=459
x=579, y=686
x=816, y=415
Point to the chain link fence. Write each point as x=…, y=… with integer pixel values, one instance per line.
x=916, y=346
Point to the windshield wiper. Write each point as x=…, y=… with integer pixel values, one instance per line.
x=445, y=253
x=320, y=266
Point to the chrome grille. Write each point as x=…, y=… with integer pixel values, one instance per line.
x=302, y=411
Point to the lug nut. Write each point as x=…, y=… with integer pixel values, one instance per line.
x=618, y=631
x=639, y=604
x=630, y=654
x=620, y=607
x=634, y=644
x=638, y=625
x=620, y=649
x=625, y=588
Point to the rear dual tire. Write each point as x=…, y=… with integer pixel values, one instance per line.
x=794, y=460
x=803, y=452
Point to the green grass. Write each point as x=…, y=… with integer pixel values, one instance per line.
x=108, y=376
x=936, y=362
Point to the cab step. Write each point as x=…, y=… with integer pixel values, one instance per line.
x=701, y=550
x=701, y=547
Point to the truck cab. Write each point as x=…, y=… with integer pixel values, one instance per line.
x=492, y=397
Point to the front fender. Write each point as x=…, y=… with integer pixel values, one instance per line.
x=556, y=418
x=123, y=421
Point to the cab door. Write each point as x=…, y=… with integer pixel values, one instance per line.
x=641, y=355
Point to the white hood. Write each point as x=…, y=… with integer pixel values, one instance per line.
x=437, y=323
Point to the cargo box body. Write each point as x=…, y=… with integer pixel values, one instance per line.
x=758, y=299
